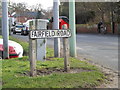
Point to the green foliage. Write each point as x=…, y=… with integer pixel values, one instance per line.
x=50, y=52
x=0, y=36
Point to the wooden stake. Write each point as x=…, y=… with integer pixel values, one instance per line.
x=66, y=54
x=32, y=57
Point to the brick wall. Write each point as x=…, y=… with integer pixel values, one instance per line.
x=93, y=29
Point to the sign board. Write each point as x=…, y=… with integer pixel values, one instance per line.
x=37, y=34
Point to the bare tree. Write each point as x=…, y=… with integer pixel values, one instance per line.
x=48, y=13
x=36, y=7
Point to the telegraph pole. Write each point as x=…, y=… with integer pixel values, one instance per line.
x=72, y=28
x=5, y=29
x=56, y=26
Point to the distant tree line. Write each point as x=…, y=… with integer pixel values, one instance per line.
x=93, y=11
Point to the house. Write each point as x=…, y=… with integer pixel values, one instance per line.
x=24, y=16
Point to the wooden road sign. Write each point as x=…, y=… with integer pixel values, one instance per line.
x=39, y=34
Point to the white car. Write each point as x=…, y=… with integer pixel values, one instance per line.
x=18, y=29
x=25, y=30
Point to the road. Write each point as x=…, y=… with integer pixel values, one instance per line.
x=101, y=49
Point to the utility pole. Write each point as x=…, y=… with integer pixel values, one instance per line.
x=66, y=51
x=56, y=26
x=5, y=29
x=72, y=28
x=10, y=18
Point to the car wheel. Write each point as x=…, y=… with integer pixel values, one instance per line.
x=14, y=32
x=22, y=33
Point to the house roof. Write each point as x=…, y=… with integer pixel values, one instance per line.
x=27, y=14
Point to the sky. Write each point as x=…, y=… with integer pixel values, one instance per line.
x=45, y=3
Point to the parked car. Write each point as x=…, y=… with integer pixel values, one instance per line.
x=62, y=20
x=25, y=30
x=15, y=49
x=18, y=29
x=12, y=28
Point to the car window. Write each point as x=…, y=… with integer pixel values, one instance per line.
x=19, y=26
x=66, y=20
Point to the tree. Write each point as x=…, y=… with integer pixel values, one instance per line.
x=117, y=11
x=36, y=7
x=21, y=9
x=17, y=7
x=83, y=14
x=64, y=9
x=48, y=13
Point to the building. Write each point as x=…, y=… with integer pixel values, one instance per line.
x=24, y=16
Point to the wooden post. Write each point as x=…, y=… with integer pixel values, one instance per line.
x=32, y=52
x=66, y=51
x=66, y=54
x=32, y=57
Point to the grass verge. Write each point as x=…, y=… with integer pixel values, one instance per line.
x=15, y=73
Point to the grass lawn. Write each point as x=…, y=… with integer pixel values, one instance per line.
x=15, y=73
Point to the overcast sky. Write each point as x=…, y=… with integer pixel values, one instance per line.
x=45, y=3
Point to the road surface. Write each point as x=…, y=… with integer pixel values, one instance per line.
x=101, y=49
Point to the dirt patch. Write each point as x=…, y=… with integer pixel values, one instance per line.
x=112, y=79
x=49, y=71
